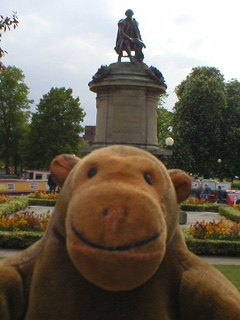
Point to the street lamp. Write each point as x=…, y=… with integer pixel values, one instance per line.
x=219, y=161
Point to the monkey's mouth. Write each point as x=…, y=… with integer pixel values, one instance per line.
x=125, y=247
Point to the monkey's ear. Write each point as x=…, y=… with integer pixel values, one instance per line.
x=182, y=183
x=61, y=166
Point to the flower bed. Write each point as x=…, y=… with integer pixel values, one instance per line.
x=42, y=199
x=25, y=221
x=22, y=229
x=4, y=198
x=222, y=230
x=43, y=195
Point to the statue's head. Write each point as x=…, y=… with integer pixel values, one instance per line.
x=129, y=13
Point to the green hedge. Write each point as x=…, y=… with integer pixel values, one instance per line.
x=18, y=239
x=23, y=239
x=214, y=247
x=202, y=207
x=230, y=213
x=13, y=205
x=211, y=247
x=42, y=202
x=20, y=203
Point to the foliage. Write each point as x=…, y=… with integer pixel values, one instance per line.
x=18, y=240
x=212, y=247
x=13, y=205
x=5, y=24
x=43, y=195
x=230, y=145
x=205, y=122
x=164, y=128
x=210, y=207
x=230, y=213
x=54, y=129
x=4, y=198
x=14, y=106
x=42, y=202
x=25, y=221
x=222, y=230
x=193, y=201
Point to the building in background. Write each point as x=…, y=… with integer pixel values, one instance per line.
x=89, y=135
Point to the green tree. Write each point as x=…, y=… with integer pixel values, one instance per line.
x=198, y=121
x=14, y=106
x=164, y=125
x=55, y=128
x=230, y=164
x=6, y=24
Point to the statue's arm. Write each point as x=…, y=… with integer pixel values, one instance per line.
x=208, y=296
x=12, y=302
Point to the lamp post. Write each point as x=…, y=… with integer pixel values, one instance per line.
x=220, y=169
x=169, y=143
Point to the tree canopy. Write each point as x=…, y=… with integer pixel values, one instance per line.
x=198, y=121
x=164, y=128
x=55, y=128
x=14, y=106
x=5, y=24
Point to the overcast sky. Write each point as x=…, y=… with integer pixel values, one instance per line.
x=62, y=43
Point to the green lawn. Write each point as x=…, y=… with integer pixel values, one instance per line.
x=230, y=272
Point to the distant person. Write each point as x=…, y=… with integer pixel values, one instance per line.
x=220, y=195
x=207, y=191
x=52, y=184
x=198, y=192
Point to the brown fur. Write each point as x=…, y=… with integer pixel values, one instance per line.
x=114, y=250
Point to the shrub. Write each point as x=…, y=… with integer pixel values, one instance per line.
x=209, y=207
x=18, y=240
x=230, y=213
x=13, y=205
x=214, y=247
x=211, y=247
x=42, y=202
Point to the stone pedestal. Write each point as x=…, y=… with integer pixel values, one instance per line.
x=127, y=102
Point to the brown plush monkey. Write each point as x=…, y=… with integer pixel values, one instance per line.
x=113, y=249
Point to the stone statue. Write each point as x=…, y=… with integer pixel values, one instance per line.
x=129, y=38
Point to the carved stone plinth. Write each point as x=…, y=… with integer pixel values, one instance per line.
x=127, y=102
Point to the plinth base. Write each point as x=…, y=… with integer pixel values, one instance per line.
x=127, y=102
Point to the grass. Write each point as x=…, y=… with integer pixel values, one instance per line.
x=231, y=273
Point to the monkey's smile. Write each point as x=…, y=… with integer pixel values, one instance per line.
x=125, y=247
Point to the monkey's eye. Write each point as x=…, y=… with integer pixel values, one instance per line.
x=148, y=178
x=92, y=172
